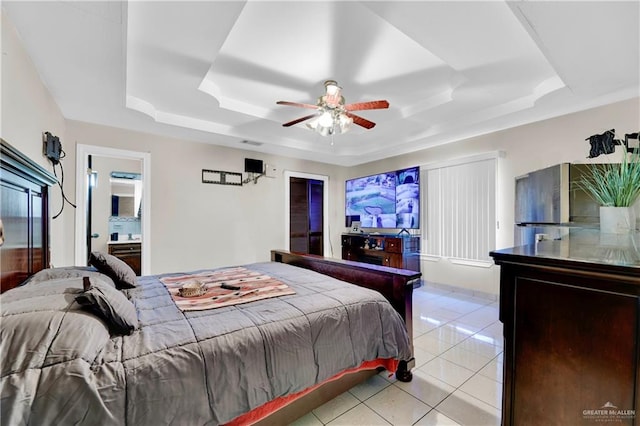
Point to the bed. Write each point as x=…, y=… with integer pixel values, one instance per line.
x=267, y=361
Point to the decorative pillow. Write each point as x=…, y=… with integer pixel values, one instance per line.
x=110, y=305
x=68, y=272
x=120, y=272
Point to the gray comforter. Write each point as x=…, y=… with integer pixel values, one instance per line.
x=59, y=365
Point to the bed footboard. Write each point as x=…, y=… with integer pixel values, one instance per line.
x=396, y=285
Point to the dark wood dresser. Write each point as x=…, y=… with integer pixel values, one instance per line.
x=129, y=252
x=24, y=216
x=571, y=315
x=395, y=251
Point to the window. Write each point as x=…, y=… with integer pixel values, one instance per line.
x=460, y=208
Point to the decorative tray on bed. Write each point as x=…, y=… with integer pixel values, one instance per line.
x=192, y=288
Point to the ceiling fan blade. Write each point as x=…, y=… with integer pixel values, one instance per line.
x=359, y=106
x=297, y=104
x=361, y=121
x=306, y=117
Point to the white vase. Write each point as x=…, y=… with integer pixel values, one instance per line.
x=617, y=220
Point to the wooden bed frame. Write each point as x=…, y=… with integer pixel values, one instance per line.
x=396, y=285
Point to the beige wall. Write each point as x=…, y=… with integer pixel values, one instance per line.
x=196, y=225
x=28, y=110
x=526, y=148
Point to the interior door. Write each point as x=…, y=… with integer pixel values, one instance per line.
x=89, y=213
x=306, y=216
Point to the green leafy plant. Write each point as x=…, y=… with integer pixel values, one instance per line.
x=615, y=184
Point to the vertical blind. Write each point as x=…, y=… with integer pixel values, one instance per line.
x=460, y=208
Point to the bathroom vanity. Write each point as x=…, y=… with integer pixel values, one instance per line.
x=128, y=251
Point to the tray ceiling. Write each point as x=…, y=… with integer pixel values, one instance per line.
x=213, y=71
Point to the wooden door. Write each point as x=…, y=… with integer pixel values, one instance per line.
x=306, y=216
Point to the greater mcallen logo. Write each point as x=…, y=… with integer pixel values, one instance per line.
x=608, y=413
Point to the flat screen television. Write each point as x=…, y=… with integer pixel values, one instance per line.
x=389, y=200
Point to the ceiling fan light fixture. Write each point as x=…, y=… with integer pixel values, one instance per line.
x=326, y=119
x=332, y=88
x=332, y=115
x=330, y=122
x=313, y=124
x=345, y=122
x=325, y=131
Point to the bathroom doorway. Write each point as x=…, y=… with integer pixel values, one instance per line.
x=113, y=194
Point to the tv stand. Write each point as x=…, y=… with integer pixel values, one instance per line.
x=393, y=250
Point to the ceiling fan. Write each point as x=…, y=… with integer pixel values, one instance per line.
x=332, y=116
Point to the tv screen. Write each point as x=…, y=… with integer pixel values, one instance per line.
x=384, y=200
x=408, y=198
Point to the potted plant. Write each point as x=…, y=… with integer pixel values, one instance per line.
x=616, y=187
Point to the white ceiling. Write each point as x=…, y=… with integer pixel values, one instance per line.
x=212, y=71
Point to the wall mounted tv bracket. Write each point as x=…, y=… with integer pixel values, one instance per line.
x=221, y=178
x=51, y=147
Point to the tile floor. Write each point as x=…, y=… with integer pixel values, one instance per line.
x=458, y=375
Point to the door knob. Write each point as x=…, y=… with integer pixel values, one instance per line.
x=95, y=235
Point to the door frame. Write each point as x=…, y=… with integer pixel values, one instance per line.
x=82, y=165
x=288, y=174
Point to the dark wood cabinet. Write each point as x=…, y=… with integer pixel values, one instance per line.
x=129, y=253
x=572, y=340
x=386, y=250
x=24, y=217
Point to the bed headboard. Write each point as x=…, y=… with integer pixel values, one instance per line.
x=24, y=216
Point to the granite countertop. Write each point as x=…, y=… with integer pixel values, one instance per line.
x=587, y=246
x=125, y=241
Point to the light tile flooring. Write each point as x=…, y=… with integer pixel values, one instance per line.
x=458, y=375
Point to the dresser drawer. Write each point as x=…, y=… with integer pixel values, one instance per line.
x=116, y=249
x=393, y=245
x=130, y=253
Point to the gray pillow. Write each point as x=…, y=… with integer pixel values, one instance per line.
x=116, y=269
x=110, y=305
x=68, y=272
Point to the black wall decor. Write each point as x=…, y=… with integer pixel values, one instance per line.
x=605, y=143
x=628, y=137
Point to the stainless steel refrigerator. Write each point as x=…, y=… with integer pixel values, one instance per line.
x=548, y=202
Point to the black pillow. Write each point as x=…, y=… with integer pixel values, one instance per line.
x=110, y=305
x=121, y=273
